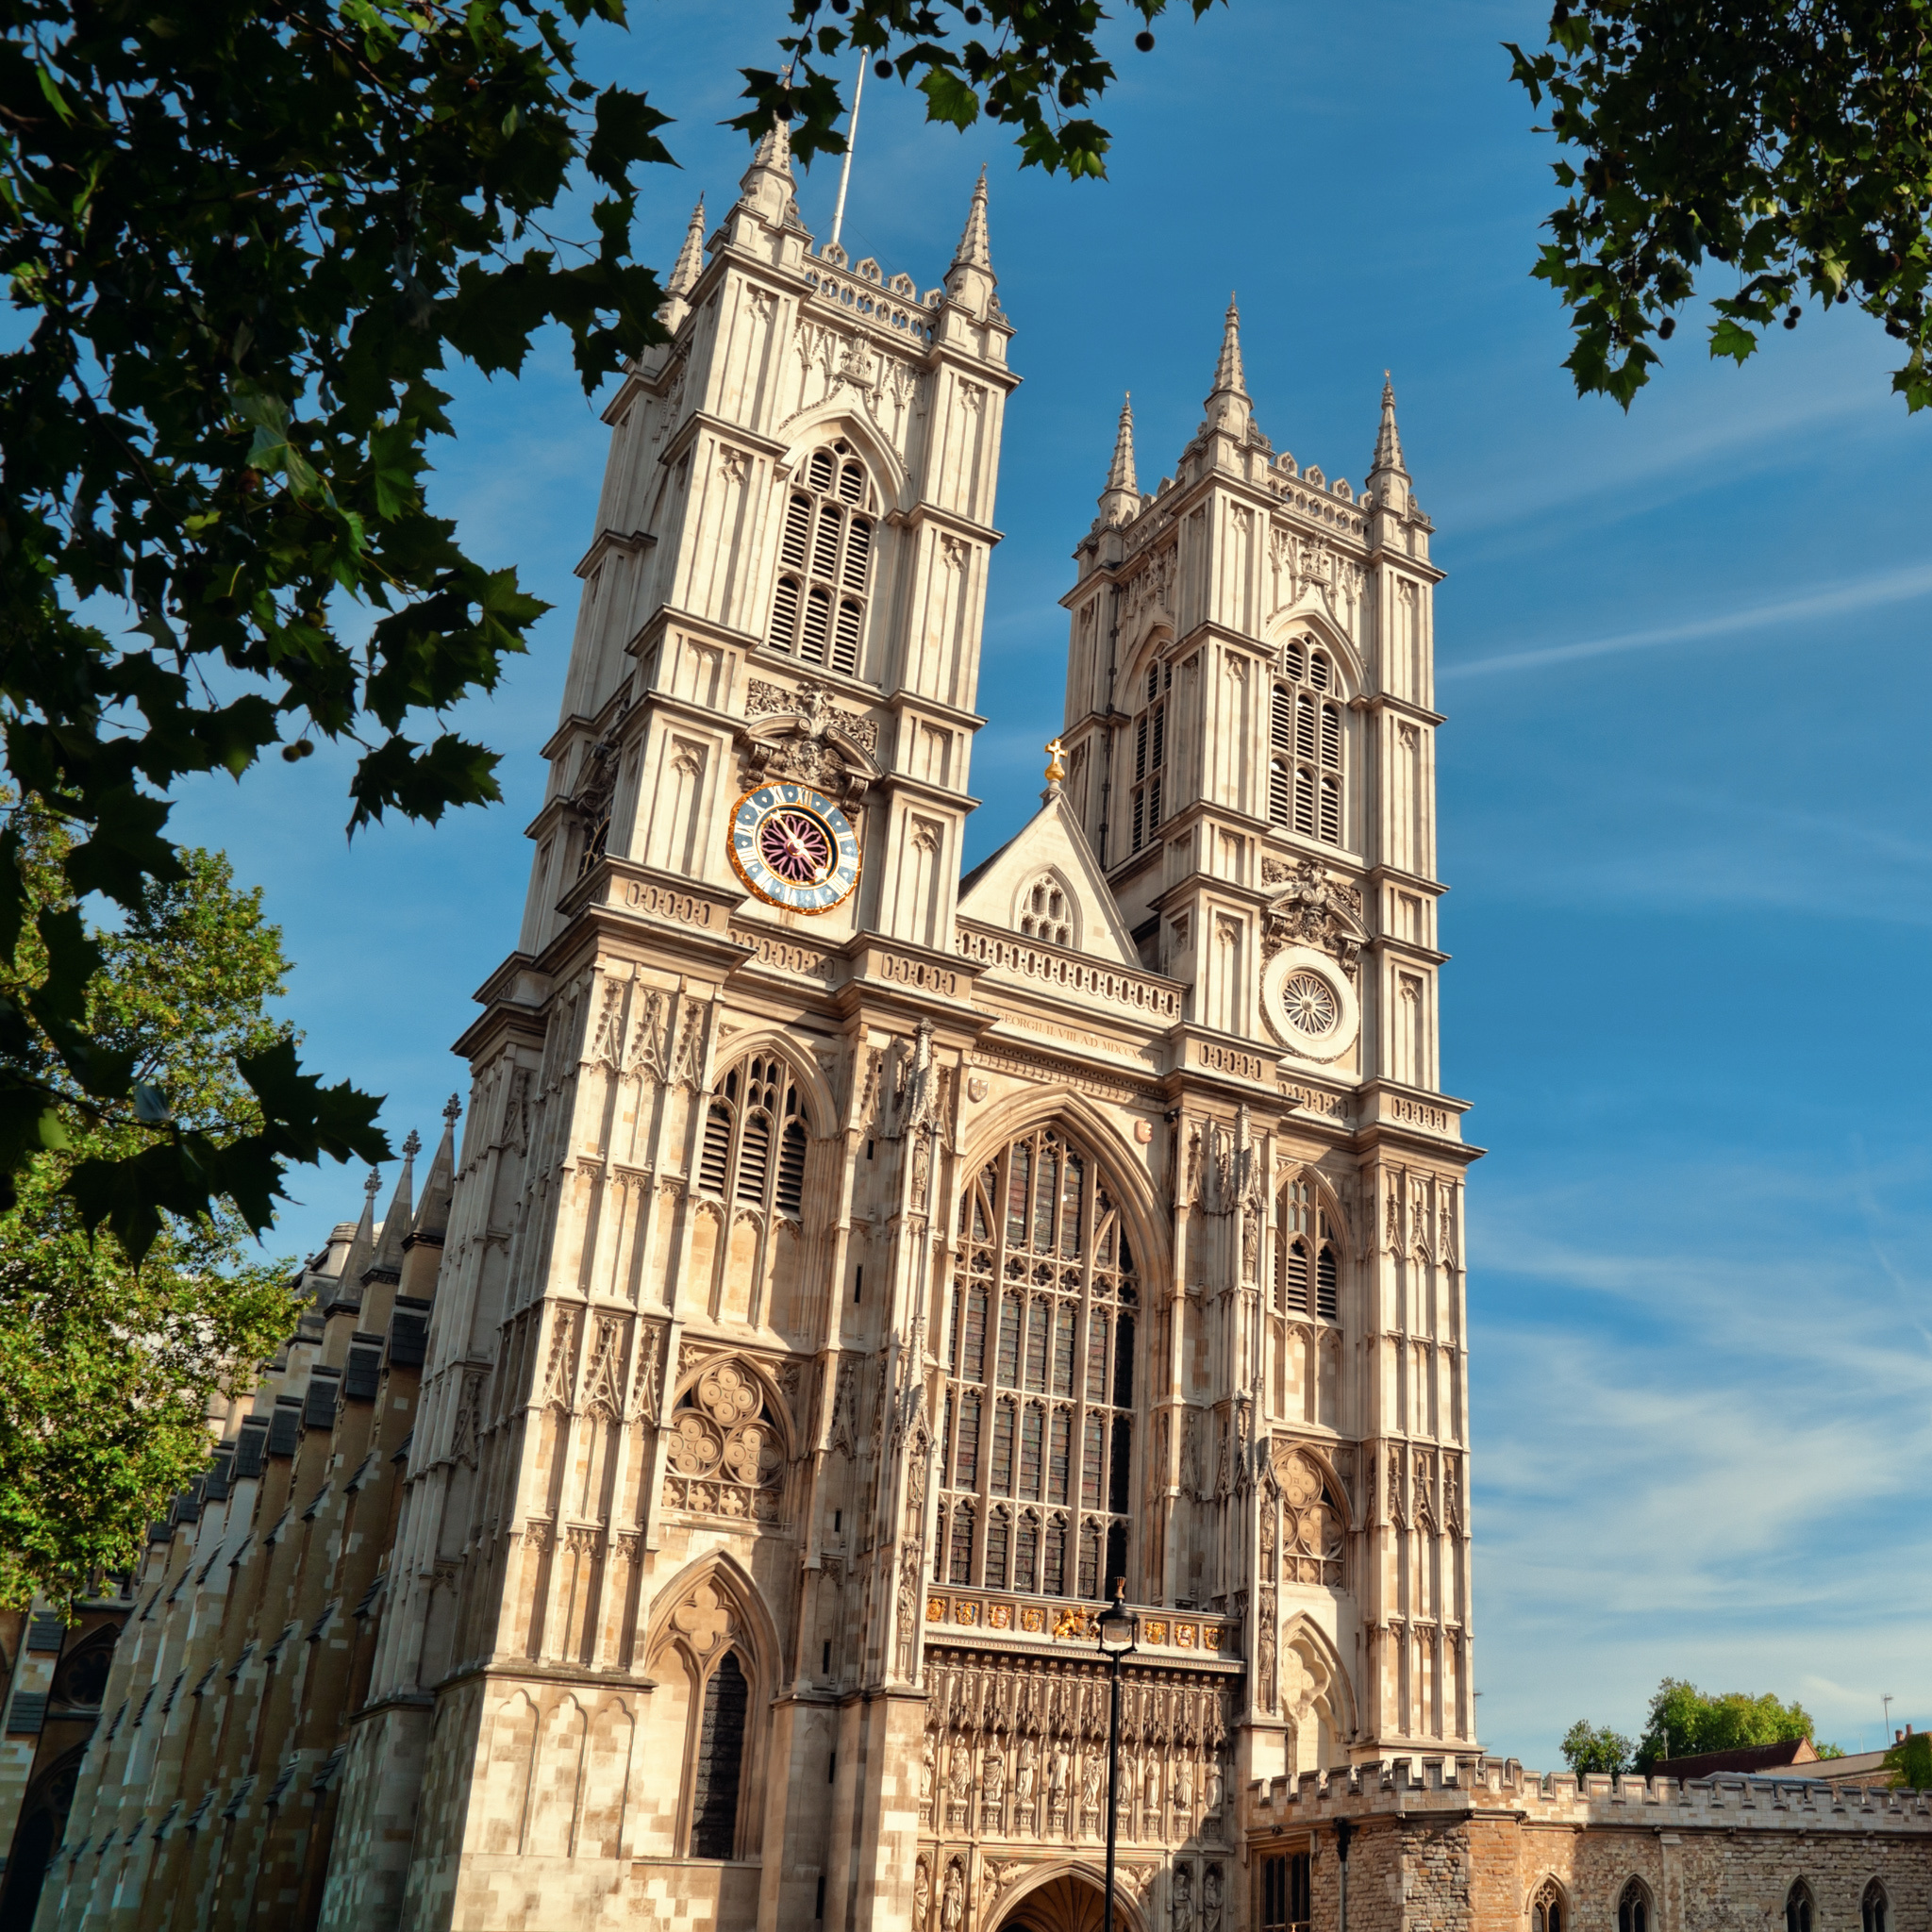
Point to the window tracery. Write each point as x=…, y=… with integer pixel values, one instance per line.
x=1309, y=1280
x=1044, y=913
x=1798, y=1910
x=1037, y=1450
x=1313, y=1539
x=1633, y=1908
x=726, y=1454
x=1546, y=1913
x=755, y=1139
x=825, y=561
x=1306, y=772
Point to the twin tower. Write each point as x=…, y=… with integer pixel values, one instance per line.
x=849, y=1269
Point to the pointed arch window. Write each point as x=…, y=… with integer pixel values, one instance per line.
x=1546, y=1913
x=1799, y=1913
x=1306, y=743
x=824, y=561
x=719, y=1769
x=1041, y=1357
x=1875, y=1908
x=755, y=1141
x=1633, y=1910
x=1150, y=755
x=1307, y=1278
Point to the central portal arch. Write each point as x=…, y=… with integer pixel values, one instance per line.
x=1069, y=1902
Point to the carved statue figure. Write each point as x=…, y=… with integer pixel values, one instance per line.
x=953, y=1907
x=1181, y=1900
x=922, y=1895
x=1025, y=1777
x=1210, y=1900
x=993, y=1775
x=928, y=1768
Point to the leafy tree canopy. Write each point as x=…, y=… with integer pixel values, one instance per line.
x=1684, y=1721
x=1778, y=152
x=108, y=1374
x=1592, y=1748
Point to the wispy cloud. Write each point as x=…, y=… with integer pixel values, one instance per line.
x=1831, y=600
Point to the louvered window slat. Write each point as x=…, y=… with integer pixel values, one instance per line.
x=818, y=619
x=857, y=553
x=790, y=1194
x=1331, y=736
x=824, y=552
x=845, y=638
x=823, y=536
x=785, y=614
x=797, y=532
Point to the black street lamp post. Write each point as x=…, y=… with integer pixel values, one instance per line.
x=1119, y=1631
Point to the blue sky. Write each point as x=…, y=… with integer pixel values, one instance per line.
x=1683, y=797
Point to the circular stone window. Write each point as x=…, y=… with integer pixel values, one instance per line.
x=1308, y=1004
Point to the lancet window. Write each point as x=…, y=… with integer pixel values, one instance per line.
x=1633, y=1908
x=754, y=1139
x=1150, y=755
x=726, y=1454
x=1798, y=1914
x=825, y=561
x=1039, y=1427
x=1546, y=1913
x=1309, y=1280
x=1875, y=1908
x=1306, y=773
x=718, y=1768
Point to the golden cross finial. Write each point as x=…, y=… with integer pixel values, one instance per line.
x=1055, y=769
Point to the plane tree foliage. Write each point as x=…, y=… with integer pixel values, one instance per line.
x=246, y=240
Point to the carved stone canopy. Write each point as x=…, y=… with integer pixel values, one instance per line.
x=1313, y=909
x=803, y=737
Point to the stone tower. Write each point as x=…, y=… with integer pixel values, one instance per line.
x=851, y=1272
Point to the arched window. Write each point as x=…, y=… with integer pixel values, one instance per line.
x=1038, y=1432
x=825, y=561
x=1633, y=1908
x=1308, y=1278
x=1546, y=1913
x=754, y=1139
x=1150, y=755
x=1798, y=1914
x=1044, y=913
x=719, y=1769
x=1877, y=1909
x=1305, y=772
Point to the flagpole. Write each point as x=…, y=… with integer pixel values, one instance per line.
x=846, y=167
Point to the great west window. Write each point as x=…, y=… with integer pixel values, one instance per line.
x=1038, y=1432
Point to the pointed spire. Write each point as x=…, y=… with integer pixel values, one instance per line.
x=1388, y=439
x=1120, y=499
x=774, y=150
x=438, y=1185
x=362, y=1242
x=691, y=258
x=387, y=1262
x=975, y=248
x=1227, y=401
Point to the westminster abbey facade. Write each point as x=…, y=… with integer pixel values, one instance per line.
x=688, y=1509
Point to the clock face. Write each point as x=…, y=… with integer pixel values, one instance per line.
x=793, y=847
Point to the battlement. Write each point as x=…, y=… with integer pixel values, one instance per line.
x=1447, y=1786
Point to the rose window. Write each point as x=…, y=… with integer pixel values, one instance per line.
x=725, y=1450
x=1310, y=1004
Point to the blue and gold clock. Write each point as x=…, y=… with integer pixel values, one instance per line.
x=793, y=847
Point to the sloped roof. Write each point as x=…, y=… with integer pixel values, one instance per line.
x=1051, y=841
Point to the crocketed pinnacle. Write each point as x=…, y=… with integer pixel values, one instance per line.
x=1228, y=379
x=387, y=1262
x=1120, y=499
x=774, y=150
x=1228, y=408
x=1121, y=477
x=975, y=248
x=1388, y=437
x=438, y=1185
x=362, y=1242
x=691, y=258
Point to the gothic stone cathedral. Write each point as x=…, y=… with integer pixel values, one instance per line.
x=690, y=1510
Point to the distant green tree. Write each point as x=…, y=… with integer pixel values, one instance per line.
x=1591, y=1747
x=109, y=1372
x=1684, y=1721
x=1911, y=1761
